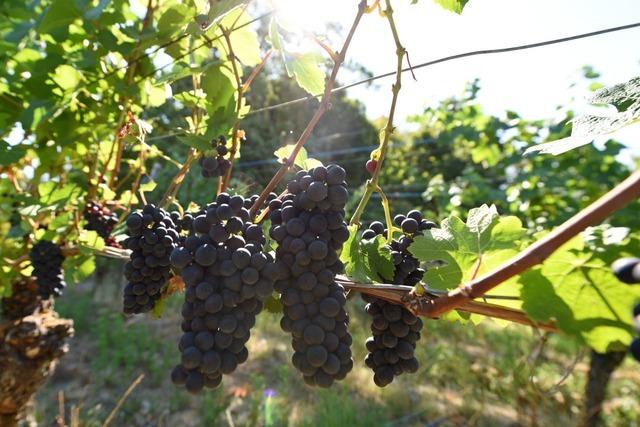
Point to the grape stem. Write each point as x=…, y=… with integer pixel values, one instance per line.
x=124, y=115
x=136, y=182
x=107, y=251
x=241, y=89
x=322, y=108
x=172, y=189
x=256, y=71
x=623, y=194
x=372, y=183
x=403, y=295
x=266, y=210
x=387, y=213
x=177, y=180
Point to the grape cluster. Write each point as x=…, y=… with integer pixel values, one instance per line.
x=407, y=268
x=395, y=329
x=46, y=258
x=227, y=275
x=216, y=165
x=152, y=236
x=634, y=348
x=308, y=225
x=395, y=333
x=627, y=270
x=101, y=220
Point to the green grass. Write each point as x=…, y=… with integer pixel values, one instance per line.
x=469, y=375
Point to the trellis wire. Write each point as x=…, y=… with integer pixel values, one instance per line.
x=427, y=64
x=454, y=57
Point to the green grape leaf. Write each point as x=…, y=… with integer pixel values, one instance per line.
x=218, y=85
x=150, y=185
x=94, y=13
x=244, y=41
x=158, y=309
x=458, y=251
x=221, y=121
x=577, y=289
x=283, y=153
x=311, y=163
x=59, y=14
x=61, y=221
x=78, y=268
x=611, y=243
x=190, y=99
x=274, y=36
x=199, y=142
x=91, y=240
x=67, y=77
x=51, y=195
x=173, y=20
x=219, y=10
x=366, y=261
x=273, y=305
x=155, y=96
x=455, y=6
x=623, y=101
x=10, y=154
x=308, y=70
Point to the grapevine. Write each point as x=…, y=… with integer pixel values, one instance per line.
x=80, y=180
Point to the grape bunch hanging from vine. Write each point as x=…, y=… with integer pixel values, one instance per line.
x=305, y=250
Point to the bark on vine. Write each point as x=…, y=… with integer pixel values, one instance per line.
x=602, y=366
x=32, y=338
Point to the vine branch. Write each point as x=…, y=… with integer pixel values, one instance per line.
x=130, y=73
x=224, y=182
x=177, y=179
x=196, y=115
x=256, y=71
x=623, y=194
x=322, y=108
x=403, y=295
x=372, y=183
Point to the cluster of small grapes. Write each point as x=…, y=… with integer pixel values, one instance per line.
x=152, y=236
x=46, y=258
x=101, y=220
x=308, y=225
x=634, y=348
x=391, y=348
x=227, y=276
x=407, y=268
x=627, y=270
x=395, y=329
x=215, y=166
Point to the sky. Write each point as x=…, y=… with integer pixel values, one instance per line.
x=532, y=82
